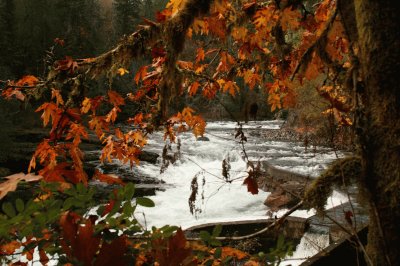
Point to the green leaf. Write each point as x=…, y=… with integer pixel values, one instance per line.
x=217, y=230
x=19, y=204
x=215, y=243
x=146, y=202
x=218, y=253
x=8, y=209
x=205, y=236
x=68, y=203
x=129, y=191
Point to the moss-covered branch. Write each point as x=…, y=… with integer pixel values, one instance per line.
x=340, y=174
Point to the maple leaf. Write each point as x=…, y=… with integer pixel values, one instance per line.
x=122, y=71
x=232, y=252
x=50, y=110
x=193, y=88
x=200, y=26
x=78, y=240
x=252, y=185
x=109, y=179
x=46, y=153
x=112, y=115
x=59, y=41
x=140, y=74
x=265, y=17
x=113, y=253
x=86, y=104
x=251, y=78
x=226, y=63
x=240, y=33
x=231, y=87
x=115, y=99
x=217, y=26
x=75, y=132
x=162, y=16
x=67, y=64
x=175, y=5
x=8, y=93
x=12, y=182
x=57, y=95
x=9, y=248
x=290, y=19
x=200, y=55
x=185, y=64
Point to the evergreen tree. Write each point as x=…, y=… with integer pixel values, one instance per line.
x=126, y=16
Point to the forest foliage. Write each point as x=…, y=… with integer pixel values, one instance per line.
x=212, y=49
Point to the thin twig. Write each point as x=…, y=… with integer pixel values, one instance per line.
x=265, y=229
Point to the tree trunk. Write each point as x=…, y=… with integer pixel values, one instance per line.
x=378, y=27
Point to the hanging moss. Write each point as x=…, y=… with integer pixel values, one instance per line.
x=340, y=174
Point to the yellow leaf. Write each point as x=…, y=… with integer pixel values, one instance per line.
x=86, y=104
x=122, y=71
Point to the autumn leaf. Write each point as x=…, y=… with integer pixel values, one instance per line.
x=200, y=55
x=193, y=88
x=67, y=64
x=141, y=74
x=175, y=5
x=290, y=19
x=251, y=78
x=115, y=98
x=86, y=104
x=10, y=247
x=232, y=252
x=113, y=253
x=55, y=94
x=252, y=185
x=75, y=132
x=50, y=110
x=109, y=179
x=122, y=71
x=12, y=182
x=185, y=64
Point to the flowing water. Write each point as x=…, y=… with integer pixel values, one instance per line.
x=219, y=199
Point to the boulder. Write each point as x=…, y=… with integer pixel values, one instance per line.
x=148, y=156
x=277, y=201
x=202, y=138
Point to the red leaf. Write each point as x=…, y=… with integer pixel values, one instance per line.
x=252, y=185
x=113, y=253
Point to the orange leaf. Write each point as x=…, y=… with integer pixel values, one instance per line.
x=115, y=98
x=200, y=55
x=56, y=94
x=232, y=252
x=9, y=248
x=109, y=179
x=28, y=80
x=193, y=88
x=141, y=74
x=50, y=110
x=290, y=19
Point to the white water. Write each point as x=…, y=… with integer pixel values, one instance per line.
x=310, y=244
x=224, y=201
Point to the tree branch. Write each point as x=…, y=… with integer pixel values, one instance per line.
x=267, y=228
